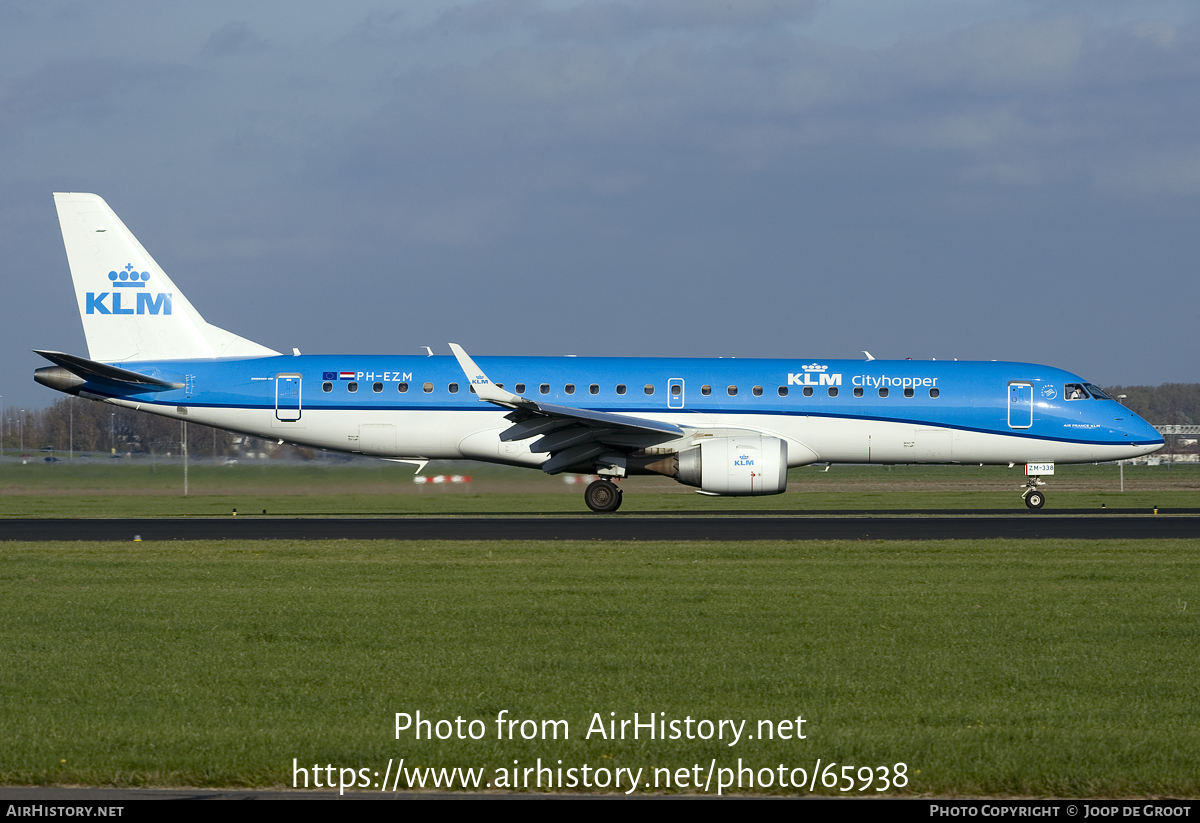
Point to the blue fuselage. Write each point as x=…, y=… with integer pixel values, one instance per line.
x=843, y=405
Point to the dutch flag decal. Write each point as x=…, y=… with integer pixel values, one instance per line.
x=346, y=375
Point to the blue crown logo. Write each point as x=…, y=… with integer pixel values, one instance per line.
x=128, y=278
x=815, y=367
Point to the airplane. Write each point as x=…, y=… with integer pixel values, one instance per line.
x=728, y=427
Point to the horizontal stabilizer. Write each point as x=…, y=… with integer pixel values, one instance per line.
x=91, y=371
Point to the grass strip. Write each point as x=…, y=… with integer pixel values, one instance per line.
x=988, y=667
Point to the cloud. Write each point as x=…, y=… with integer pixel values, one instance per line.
x=233, y=38
x=604, y=20
x=1171, y=171
x=639, y=144
x=87, y=87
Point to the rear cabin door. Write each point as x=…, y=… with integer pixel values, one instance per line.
x=287, y=397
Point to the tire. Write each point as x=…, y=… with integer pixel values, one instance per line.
x=602, y=496
x=1035, y=500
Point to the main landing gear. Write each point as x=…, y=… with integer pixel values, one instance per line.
x=1035, y=498
x=602, y=496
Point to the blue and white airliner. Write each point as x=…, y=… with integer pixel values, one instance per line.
x=725, y=426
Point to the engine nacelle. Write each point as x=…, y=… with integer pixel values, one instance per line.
x=736, y=465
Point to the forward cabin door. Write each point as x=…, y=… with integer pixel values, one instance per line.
x=1020, y=405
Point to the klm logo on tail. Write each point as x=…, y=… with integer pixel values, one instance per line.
x=128, y=279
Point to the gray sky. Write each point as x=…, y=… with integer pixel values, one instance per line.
x=764, y=178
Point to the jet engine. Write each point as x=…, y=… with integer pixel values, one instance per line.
x=736, y=465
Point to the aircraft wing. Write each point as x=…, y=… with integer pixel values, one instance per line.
x=575, y=438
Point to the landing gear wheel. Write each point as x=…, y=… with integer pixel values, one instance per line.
x=602, y=496
x=1035, y=500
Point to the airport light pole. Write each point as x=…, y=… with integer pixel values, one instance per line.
x=1121, y=463
x=183, y=441
x=112, y=433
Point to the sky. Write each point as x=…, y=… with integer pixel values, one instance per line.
x=795, y=179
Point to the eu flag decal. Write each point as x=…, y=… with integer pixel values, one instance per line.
x=329, y=375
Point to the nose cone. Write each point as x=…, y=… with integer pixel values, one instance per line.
x=1142, y=436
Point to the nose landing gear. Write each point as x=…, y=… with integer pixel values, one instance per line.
x=602, y=496
x=1035, y=498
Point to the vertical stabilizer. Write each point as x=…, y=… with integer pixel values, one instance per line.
x=130, y=308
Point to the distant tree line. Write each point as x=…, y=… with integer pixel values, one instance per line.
x=1176, y=404
x=88, y=426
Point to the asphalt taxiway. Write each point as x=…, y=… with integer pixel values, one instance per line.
x=889, y=526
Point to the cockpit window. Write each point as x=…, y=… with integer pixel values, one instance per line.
x=1097, y=392
x=1075, y=391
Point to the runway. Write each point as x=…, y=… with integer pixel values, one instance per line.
x=882, y=526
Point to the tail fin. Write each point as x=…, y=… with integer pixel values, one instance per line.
x=130, y=308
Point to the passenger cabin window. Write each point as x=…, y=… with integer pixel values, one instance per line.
x=520, y=387
x=1075, y=391
x=883, y=391
x=808, y=391
x=833, y=391
x=620, y=388
x=858, y=391
x=732, y=391
x=757, y=390
x=544, y=388
x=908, y=391
x=935, y=393
x=452, y=388
x=593, y=389
x=569, y=388
x=649, y=389
x=326, y=387
x=352, y=387
x=427, y=388
x=377, y=387
x=706, y=390
x=402, y=387
x=783, y=391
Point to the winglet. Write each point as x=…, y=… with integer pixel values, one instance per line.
x=484, y=388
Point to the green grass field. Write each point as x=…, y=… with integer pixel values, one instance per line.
x=990, y=667
x=997, y=667
x=149, y=488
